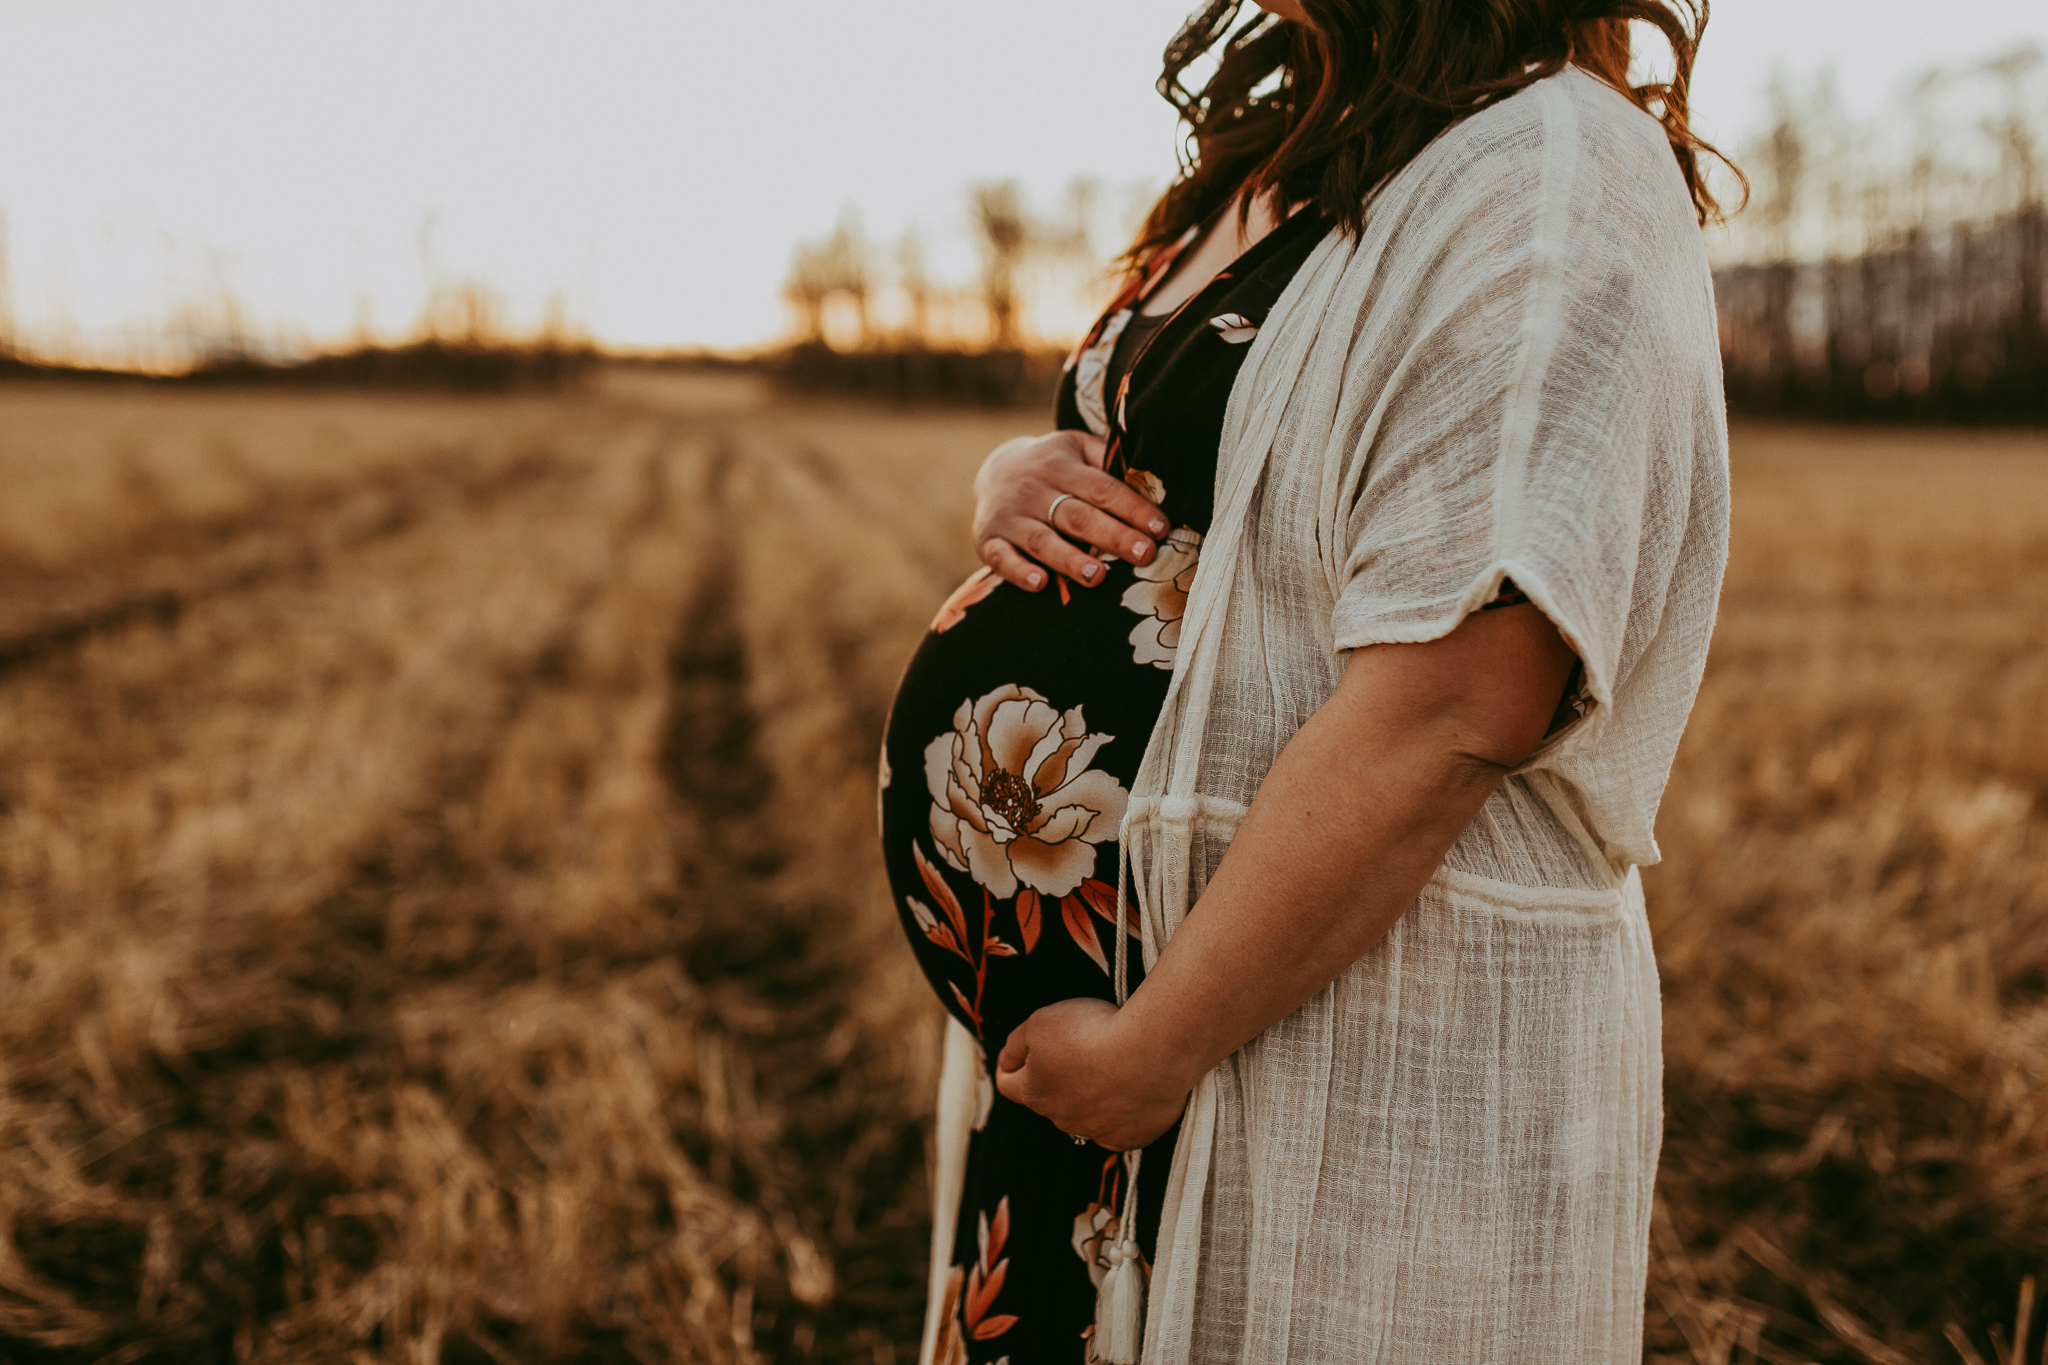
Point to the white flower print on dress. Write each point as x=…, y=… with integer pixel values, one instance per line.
x=1235, y=328
x=1146, y=483
x=1013, y=798
x=1161, y=596
x=1095, y=1232
x=1091, y=369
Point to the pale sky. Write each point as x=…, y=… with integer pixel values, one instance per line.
x=649, y=163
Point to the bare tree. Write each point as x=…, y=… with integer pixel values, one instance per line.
x=2019, y=151
x=913, y=276
x=807, y=289
x=6, y=296
x=852, y=267
x=1897, y=267
x=1005, y=237
x=1779, y=160
x=2010, y=129
x=1069, y=236
x=463, y=312
x=835, y=266
x=1922, y=202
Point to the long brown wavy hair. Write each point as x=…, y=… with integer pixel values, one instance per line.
x=1328, y=110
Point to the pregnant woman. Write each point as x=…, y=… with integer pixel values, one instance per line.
x=1266, y=812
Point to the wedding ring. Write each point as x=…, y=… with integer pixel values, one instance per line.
x=1054, y=508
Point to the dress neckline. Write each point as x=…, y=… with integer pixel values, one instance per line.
x=1241, y=262
x=1140, y=330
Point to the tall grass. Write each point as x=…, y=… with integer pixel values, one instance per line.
x=1852, y=918
x=439, y=919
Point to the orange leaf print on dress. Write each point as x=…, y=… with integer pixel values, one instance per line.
x=953, y=610
x=951, y=932
x=1100, y=897
x=1075, y=916
x=1027, y=918
x=985, y=1279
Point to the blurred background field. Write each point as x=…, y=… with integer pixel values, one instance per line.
x=439, y=916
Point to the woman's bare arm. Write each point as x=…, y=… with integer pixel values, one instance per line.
x=1353, y=819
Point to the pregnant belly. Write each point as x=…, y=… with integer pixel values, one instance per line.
x=1012, y=743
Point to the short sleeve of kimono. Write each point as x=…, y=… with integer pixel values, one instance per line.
x=1535, y=407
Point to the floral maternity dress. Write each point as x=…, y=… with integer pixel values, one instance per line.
x=1011, y=746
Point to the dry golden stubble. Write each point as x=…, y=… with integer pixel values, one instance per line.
x=1852, y=915
x=450, y=929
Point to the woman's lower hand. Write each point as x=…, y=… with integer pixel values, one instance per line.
x=1017, y=488
x=1071, y=1063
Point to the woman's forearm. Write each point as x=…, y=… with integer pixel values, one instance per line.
x=1353, y=819
x=1348, y=825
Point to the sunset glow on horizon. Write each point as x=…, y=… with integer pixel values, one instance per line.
x=309, y=174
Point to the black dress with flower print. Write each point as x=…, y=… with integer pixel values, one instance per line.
x=1012, y=744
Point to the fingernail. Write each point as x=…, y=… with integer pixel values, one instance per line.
x=1034, y=578
x=1088, y=571
x=1158, y=525
x=1139, y=549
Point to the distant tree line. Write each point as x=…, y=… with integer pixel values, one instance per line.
x=461, y=341
x=1895, y=269
x=881, y=324
x=1892, y=268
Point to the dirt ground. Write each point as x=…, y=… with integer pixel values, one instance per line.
x=439, y=916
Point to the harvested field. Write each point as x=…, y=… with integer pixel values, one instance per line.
x=439, y=919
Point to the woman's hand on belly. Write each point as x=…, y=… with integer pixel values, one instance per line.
x=1071, y=1063
x=1018, y=485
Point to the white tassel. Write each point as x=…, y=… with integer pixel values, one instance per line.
x=1120, y=1306
x=1120, y=1303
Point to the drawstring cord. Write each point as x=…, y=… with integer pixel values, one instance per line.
x=1120, y=1304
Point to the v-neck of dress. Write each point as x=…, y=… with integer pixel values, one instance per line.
x=1245, y=260
x=1150, y=327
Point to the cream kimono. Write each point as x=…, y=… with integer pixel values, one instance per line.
x=1448, y=1154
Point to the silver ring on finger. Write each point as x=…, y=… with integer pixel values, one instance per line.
x=1052, y=510
x=1079, y=1141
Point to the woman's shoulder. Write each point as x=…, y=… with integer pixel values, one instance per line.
x=1571, y=128
x=1572, y=107
x=1566, y=169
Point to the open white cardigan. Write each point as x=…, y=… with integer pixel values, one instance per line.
x=1448, y=1154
